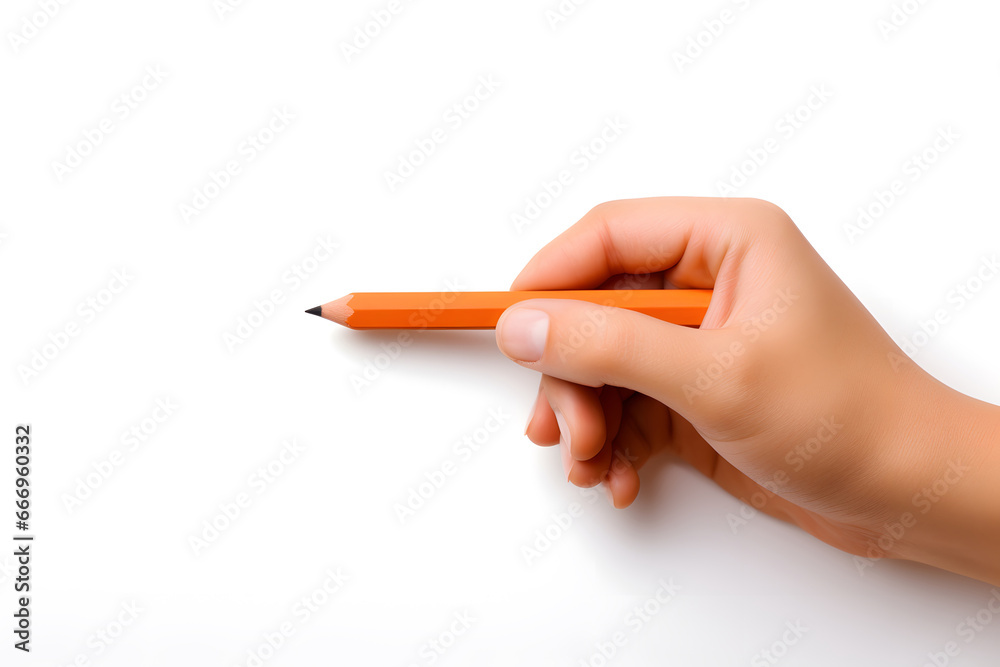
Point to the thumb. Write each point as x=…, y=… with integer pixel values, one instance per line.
x=595, y=345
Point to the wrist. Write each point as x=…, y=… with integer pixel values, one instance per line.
x=948, y=483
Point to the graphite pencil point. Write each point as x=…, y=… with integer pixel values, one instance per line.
x=318, y=310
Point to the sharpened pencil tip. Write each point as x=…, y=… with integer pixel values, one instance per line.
x=318, y=310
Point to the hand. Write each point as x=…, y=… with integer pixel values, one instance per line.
x=790, y=396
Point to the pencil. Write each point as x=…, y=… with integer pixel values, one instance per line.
x=481, y=310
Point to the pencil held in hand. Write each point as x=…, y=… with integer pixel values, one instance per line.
x=481, y=310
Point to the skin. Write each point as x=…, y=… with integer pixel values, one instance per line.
x=790, y=396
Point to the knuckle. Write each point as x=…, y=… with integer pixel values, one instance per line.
x=762, y=205
x=603, y=209
x=607, y=212
x=769, y=212
x=760, y=219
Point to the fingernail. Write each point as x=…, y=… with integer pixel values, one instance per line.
x=564, y=434
x=531, y=414
x=607, y=491
x=566, y=458
x=523, y=333
x=564, y=443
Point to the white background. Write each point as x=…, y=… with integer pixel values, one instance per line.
x=364, y=447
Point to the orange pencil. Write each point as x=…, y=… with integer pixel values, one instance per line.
x=481, y=310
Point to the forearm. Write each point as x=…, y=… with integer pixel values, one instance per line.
x=955, y=508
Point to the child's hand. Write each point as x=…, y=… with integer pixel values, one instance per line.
x=790, y=396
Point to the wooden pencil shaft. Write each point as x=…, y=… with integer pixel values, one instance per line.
x=481, y=310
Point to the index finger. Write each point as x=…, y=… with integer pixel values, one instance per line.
x=689, y=236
